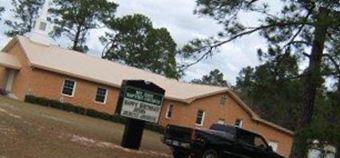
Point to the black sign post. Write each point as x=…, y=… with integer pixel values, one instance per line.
x=139, y=101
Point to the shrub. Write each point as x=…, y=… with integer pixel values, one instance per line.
x=88, y=112
x=3, y=92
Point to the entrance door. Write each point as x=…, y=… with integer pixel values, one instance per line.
x=10, y=80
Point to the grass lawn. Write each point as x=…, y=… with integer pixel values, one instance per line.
x=33, y=131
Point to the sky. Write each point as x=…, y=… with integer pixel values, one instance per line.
x=177, y=16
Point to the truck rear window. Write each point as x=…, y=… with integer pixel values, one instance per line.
x=223, y=128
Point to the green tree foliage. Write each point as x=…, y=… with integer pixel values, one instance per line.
x=331, y=117
x=332, y=60
x=25, y=14
x=325, y=125
x=134, y=41
x=299, y=26
x=272, y=90
x=215, y=78
x=74, y=18
x=2, y=9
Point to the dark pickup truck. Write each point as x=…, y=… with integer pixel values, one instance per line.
x=219, y=141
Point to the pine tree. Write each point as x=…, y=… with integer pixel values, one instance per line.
x=271, y=91
x=2, y=9
x=215, y=78
x=134, y=41
x=25, y=14
x=74, y=18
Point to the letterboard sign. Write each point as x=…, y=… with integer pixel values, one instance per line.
x=141, y=103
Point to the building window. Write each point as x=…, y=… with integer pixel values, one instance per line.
x=200, y=118
x=101, y=95
x=223, y=99
x=169, y=111
x=42, y=26
x=274, y=145
x=221, y=121
x=259, y=142
x=239, y=123
x=68, y=88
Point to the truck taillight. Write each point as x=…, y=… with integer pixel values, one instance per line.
x=196, y=138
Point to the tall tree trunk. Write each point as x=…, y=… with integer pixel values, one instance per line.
x=77, y=39
x=313, y=75
x=312, y=81
x=337, y=155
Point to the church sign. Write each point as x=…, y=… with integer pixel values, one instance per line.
x=141, y=104
x=140, y=100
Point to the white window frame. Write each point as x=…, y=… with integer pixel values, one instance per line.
x=203, y=118
x=221, y=121
x=272, y=142
x=168, y=110
x=73, y=91
x=241, y=123
x=106, y=94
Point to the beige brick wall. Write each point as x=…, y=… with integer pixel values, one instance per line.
x=2, y=77
x=284, y=140
x=84, y=95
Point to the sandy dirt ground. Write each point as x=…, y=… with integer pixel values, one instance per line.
x=32, y=131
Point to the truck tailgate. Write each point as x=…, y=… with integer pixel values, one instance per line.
x=177, y=136
x=178, y=133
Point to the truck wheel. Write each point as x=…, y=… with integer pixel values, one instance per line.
x=210, y=154
x=179, y=154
